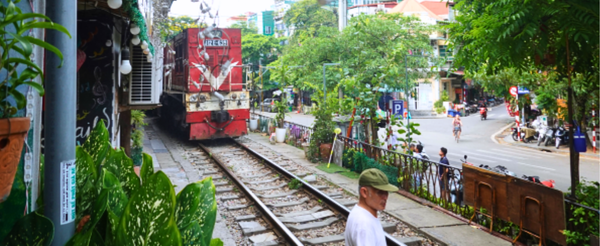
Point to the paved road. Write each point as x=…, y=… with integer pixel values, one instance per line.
x=476, y=142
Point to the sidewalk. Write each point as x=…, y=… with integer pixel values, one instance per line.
x=504, y=137
x=168, y=156
x=438, y=226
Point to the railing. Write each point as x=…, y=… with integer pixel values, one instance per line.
x=299, y=134
x=436, y=182
x=422, y=178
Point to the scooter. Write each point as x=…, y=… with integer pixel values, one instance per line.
x=541, y=132
x=483, y=113
x=536, y=179
x=561, y=136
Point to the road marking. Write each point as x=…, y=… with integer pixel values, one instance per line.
x=469, y=158
x=546, y=168
x=499, y=158
x=528, y=155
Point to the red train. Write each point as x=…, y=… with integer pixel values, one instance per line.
x=203, y=90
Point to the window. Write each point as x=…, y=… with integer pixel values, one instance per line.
x=268, y=30
x=444, y=51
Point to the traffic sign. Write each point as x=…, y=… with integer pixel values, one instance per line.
x=513, y=91
x=397, y=107
x=523, y=90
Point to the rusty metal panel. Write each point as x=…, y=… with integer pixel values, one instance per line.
x=477, y=177
x=552, y=200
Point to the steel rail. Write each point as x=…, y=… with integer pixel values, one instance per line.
x=324, y=197
x=290, y=238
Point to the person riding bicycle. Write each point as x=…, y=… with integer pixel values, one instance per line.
x=457, y=124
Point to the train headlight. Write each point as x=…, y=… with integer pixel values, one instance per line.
x=234, y=96
x=202, y=98
x=243, y=96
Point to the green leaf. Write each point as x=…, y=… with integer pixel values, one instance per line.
x=149, y=218
x=21, y=17
x=45, y=25
x=117, y=200
x=216, y=242
x=97, y=144
x=33, y=229
x=47, y=47
x=37, y=87
x=26, y=48
x=86, y=178
x=13, y=60
x=19, y=98
x=147, y=167
x=196, y=203
x=121, y=166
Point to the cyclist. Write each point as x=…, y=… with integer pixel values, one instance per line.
x=457, y=124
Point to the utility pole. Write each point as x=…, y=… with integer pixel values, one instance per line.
x=342, y=14
x=61, y=93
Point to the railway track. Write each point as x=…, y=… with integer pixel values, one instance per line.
x=270, y=201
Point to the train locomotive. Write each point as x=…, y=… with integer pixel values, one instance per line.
x=203, y=88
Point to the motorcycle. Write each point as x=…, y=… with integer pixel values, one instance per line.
x=525, y=139
x=483, y=113
x=542, y=134
x=561, y=137
x=536, y=179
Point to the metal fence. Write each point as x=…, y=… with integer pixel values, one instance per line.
x=299, y=134
x=442, y=185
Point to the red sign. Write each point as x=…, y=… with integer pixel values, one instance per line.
x=513, y=91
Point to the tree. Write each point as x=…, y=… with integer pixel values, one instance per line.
x=371, y=51
x=175, y=25
x=557, y=37
x=246, y=28
x=306, y=18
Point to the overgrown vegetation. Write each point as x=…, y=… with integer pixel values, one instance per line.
x=294, y=184
x=586, y=222
x=439, y=104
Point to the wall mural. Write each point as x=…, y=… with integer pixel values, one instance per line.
x=95, y=97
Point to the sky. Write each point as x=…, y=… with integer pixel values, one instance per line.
x=227, y=8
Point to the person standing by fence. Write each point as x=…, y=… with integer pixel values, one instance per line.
x=443, y=174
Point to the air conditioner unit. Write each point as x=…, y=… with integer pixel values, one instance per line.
x=144, y=88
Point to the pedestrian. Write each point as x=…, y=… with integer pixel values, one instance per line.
x=417, y=151
x=363, y=228
x=443, y=173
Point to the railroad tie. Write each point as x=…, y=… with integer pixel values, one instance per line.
x=313, y=225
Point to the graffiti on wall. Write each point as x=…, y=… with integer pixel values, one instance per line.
x=95, y=95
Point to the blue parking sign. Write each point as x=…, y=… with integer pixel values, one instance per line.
x=397, y=107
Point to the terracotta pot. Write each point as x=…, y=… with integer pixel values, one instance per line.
x=325, y=151
x=12, y=137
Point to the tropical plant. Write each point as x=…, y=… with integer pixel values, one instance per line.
x=587, y=221
x=17, y=48
x=137, y=121
x=281, y=108
x=439, y=104
x=116, y=207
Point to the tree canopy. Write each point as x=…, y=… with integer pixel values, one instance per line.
x=306, y=18
x=175, y=25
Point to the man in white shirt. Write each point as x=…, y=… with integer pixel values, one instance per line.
x=363, y=228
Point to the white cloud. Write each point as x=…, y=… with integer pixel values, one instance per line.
x=226, y=8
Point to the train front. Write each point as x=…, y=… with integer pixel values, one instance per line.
x=216, y=102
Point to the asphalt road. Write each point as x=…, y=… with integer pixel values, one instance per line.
x=476, y=143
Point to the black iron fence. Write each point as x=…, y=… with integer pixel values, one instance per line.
x=442, y=185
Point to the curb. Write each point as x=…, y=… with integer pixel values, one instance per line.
x=502, y=142
x=493, y=137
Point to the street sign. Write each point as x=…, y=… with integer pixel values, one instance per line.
x=397, y=107
x=513, y=91
x=523, y=90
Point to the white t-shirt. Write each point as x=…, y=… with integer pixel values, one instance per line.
x=363, y=229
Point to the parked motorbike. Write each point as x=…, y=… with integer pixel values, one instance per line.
x=541, y=132
x=561, y=136
x=483, y=113
x=536, y=179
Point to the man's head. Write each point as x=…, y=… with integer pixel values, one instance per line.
x=419, y=148
x=373, y=187
x=443, y=152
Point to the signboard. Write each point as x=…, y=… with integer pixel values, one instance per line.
x=523, y=90
x=216, y=42
x=67, y=192
x=397, y=107
x=513, y=91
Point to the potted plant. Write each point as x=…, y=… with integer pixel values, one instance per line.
x=137, y=136
x=253, y=119
x=17, y=47
x=280, y=131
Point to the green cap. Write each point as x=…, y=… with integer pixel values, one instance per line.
x=375, y=178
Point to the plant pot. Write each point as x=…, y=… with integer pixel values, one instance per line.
x=325, y=151
x=280, y=134
x=12, y=137
x=253, y=124
x=136, y=155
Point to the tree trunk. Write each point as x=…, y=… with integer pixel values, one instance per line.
x=125, y=131
x=574, y=155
